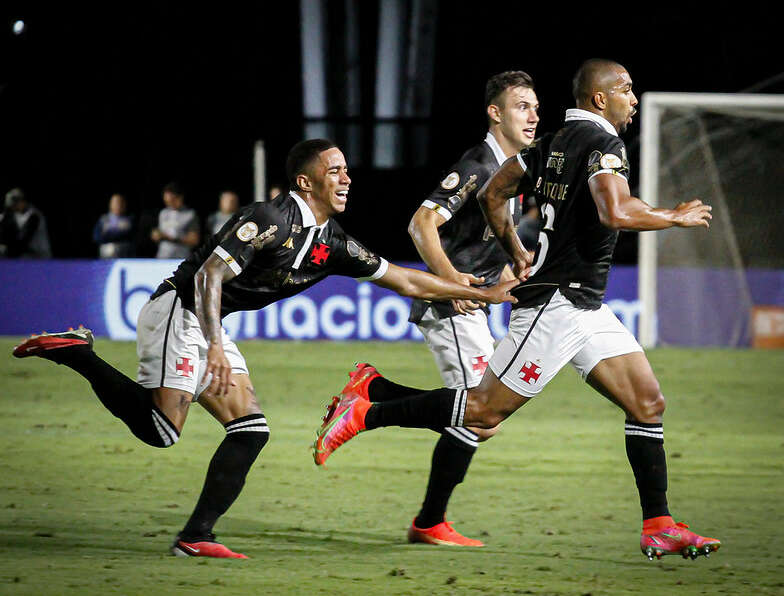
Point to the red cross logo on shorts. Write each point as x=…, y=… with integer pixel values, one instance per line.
x=479, y=364
x=530, y=373
x=319, y=254
x=184, y=367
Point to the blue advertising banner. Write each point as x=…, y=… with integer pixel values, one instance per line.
x=107, y=295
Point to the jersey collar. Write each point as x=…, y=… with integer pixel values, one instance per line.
x=578, y=114
x=499, y=154
x=308, y=219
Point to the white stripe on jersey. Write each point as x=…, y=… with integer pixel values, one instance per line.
x=228, y=259
x=440, y=209
x=383, y=266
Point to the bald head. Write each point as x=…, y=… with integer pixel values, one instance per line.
x=594, y=76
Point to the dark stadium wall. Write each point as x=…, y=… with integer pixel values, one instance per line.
x=94, y=102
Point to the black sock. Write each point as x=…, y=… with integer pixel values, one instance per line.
x=645, y=450
x=451, y=459
x=431, y=409
x=123, y=397
x=245, y=437
x=381, y=389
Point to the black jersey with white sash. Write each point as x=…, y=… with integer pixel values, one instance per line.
x=276, y=250
x=574, y=250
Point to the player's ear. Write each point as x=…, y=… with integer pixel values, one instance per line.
x=599, y=100
x=494, y=113
x=303, y=181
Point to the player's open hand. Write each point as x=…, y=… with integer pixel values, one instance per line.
x=501, y=292
x=219, y=367
x=693, y=214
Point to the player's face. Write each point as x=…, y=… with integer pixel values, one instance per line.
x=519, y=115
x=621, y=102
x=330, y=181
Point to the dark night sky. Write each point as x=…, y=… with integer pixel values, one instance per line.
x=97, y=102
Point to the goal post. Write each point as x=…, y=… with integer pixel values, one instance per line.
x=728, y=150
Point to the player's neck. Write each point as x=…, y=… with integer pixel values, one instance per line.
x=507, y=146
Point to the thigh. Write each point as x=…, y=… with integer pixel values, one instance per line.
x=540, y=341
x=461, y=346
x=629, y=382
x=240, y=401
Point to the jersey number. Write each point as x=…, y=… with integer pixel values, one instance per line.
x=543, y=243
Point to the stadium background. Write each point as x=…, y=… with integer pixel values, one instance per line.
x=98, y=99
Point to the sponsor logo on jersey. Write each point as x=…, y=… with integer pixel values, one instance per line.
x=296, y=228
x=610, y=161
x=451, y=181
x=247, y=231
x=289, y=243
x=265, y=237
x=359, y=252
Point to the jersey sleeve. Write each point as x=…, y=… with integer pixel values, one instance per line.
x=358, y=262
x=261, y=230
x=608, y=157
x=445, y=199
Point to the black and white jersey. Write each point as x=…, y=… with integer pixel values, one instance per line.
x=574, y=248
x=276, y=250
x=465, y=237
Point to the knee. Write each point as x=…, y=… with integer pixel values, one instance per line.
x=482, y=412
x=650, y=403
x=483, y=434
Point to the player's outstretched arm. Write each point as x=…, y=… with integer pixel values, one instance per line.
x=493, y=199
x=619, y=210
x=420, y=284
x=207, y=297
x=423, y=229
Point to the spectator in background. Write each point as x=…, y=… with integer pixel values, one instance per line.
x=114, y=231
x=228, y=204
x=178, y=225
x=23, y=229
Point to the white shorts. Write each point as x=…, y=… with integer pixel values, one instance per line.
x=541, y=340
x=172, y=349
x=461, y=346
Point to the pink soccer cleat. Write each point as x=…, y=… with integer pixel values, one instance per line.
x=677, y=540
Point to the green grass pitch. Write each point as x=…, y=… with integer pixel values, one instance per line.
x=87, y=509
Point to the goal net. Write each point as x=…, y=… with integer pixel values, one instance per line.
x=699, y=287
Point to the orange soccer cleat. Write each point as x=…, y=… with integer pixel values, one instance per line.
x=443, y=534
x=203, y=548
x=361, y=377
x=345, y=419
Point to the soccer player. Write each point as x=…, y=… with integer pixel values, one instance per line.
x=265, y=252
x=579, y=176
x=453, y=239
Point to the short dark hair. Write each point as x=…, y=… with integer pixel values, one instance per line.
x=499, y=83
x=175, y=188
x=300, y=157
x=589, y=76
